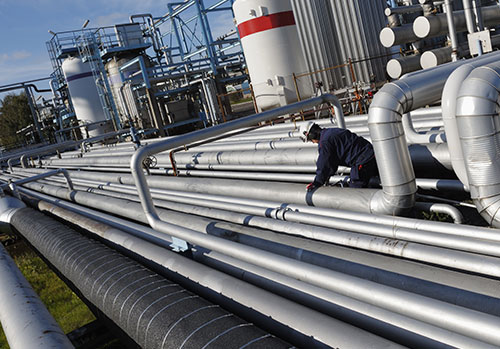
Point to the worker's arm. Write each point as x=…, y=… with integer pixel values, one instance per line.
x=326, y=165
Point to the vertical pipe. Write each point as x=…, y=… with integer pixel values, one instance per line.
x=33, y=112
x=469, y=16
x=451, y=29
x=476, y=4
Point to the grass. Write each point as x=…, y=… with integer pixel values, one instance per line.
x=64, y=305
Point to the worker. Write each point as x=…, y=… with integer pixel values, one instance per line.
x=340, y=147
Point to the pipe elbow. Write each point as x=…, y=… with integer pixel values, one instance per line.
x=489, y=209
x=476, y=114
x=393, y=205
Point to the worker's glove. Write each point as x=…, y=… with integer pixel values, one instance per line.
x=311, y=186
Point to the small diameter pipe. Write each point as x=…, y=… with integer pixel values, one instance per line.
x=478, y=12
x=25, y=320
x=460, y=243
x=449, y=210
x=420, y=138
x=469, y=16
x=373, y=266
x=452, y=33
x=460, y=260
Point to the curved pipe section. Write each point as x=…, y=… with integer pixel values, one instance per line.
x=479, y=127
x=449, y=107
x=451, y=211
x=394, y=99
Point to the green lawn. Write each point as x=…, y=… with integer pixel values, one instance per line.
x=68, y=310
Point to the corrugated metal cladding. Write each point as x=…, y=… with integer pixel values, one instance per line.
x=332, y=31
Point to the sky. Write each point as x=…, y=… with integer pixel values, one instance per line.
x=24, y=26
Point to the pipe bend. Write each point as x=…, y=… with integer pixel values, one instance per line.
x=391, y=150
x=477, y=118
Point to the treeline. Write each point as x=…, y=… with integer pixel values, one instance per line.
x=15, y=114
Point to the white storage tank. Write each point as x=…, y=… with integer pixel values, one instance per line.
x=271, y=45
x=84, y=95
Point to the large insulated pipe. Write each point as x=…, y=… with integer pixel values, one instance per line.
x=397, y=35
x=433, y=58
x=25, y=320
x=153, y=311
x=385, y=123
x=448, y=104
x=437, y=25
x=397, y=67
x=477, y=117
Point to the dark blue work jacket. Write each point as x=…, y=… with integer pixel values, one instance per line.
x=340, y=147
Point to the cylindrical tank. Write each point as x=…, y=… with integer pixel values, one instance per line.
x=84, y=95
x=271, y=45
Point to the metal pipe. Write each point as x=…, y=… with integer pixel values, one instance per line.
x=397, y=67
x=449, y=210
x=106, y=182
x=397, y=35
x=432, y=26
x=401, y=10
x=418, y=138
x=471, y=324
x=477, y=118
x=449, y=98
x=478, y=13
x=441, y=276
x=393, y=100
x=206, y=280
x=342, y=228
x=469, y=16
x=452, y=33
x=401, y=329
x=25, y=320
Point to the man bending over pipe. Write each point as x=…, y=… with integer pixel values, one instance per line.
x=341, y=147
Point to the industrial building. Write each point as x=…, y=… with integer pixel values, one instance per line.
x=167, y=185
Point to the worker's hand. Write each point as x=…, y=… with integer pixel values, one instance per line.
x=311, y=186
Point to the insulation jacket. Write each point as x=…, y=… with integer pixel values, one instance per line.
x=153, y=311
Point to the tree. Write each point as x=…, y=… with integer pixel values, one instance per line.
x=15, y=114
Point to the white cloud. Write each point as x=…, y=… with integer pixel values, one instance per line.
x=11, y=73
x=111, y=19
x=8, y=58
x=18, y=55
